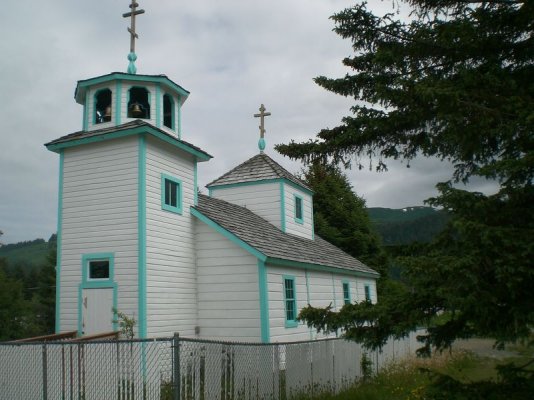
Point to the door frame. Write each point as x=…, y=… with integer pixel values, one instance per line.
x=87, y=283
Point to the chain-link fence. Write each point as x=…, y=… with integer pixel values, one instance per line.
x=184, y=369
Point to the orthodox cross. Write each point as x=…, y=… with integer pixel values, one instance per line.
x=262, y=114
x=133, y=35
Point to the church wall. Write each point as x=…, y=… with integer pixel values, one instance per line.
x=304, y=228
x=228, y=295
x=318, y=288
x=99, y=215
x=263, y=199
x=170, y=259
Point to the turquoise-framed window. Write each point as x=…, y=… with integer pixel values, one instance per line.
x=138, y=102
x=98, y=270
x=299, y=209
x=171, y=194
x=367, y=291
x=102, y=106
x=168, y=111
x=346, y=292
x=290, y=301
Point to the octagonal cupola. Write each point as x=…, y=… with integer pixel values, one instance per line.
x=118, y=98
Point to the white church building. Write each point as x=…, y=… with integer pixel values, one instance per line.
x=135, y=235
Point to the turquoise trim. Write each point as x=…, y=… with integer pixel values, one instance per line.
x=158, y=106
x=87, y=283
x=261, y=144
x=312, y=219
x=346, y=291
x=233, y=238
x=260, y=182
x=195, y=183
x=296, y=199
x=308, y=297
x=165, y=82
x=210, y=192
x=179, y=117
x=118, y=97
x=282, y=207
x=141, y=226
x=264, y=302
x=85, y=122
x=318, y=267
x=179, y=189
x=290, y=323
x=130, y=132
x=58, y=248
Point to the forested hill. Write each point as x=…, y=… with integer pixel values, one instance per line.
x=407, y=225
x=28, y=255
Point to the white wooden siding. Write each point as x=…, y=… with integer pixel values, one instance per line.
x=99, y=216
x=304, y=229
x=228, y=291
x=262, y=199
x=320, y=289
x=170, y=257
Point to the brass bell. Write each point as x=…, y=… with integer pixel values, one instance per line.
x=136, y=110
x=107, y=114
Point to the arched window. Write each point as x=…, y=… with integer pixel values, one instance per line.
x=103, y=106
x=168, y=111
x=138, y=105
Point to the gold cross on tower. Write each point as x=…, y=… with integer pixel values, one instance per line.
x=133, y=35
x=262, y=115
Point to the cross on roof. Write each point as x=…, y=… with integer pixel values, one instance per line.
x=133, y=35
x=262, y=115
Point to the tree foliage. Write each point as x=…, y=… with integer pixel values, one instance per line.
x=454, y=82
x=340, y=216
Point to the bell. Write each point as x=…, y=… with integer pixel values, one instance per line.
x=136, y=110
x=107, y=114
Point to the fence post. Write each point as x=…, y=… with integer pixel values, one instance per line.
x=176, y=366
x=45, y=373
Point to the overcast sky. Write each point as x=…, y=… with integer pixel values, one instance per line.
x=232, y=55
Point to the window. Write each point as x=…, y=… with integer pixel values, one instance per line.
x=168, y=111
x=346, y=292
x=367, y=293
x=98, y=269
x=290, y=301
x=298, y=209
x=102, y=106
x=171, y=194
x=139, y=104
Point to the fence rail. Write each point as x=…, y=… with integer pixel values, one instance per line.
x=185, y=369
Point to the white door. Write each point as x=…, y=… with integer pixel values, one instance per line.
x=97, y=313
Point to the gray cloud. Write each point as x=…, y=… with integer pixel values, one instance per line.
x=232, y=55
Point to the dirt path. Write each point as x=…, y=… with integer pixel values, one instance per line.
x=483, y=348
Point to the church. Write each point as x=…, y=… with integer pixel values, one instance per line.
x=136, y=236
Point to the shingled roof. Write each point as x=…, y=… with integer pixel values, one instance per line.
x=258, y=168
x=272, y=242
x=124, y=128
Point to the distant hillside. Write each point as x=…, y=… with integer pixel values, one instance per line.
x=29, y=254
x=407, y=225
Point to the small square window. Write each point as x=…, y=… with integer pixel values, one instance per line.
x=346, y=292
x=171, y=194
x=99, y=269
x=298, y=209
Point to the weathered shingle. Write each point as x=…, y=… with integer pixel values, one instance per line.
x=258, y=168
x=271, y=241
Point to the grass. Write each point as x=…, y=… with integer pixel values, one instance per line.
x=460, y=375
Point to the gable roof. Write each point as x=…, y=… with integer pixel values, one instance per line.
x=277, y=246
x=258, y=168
x=130, y=128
